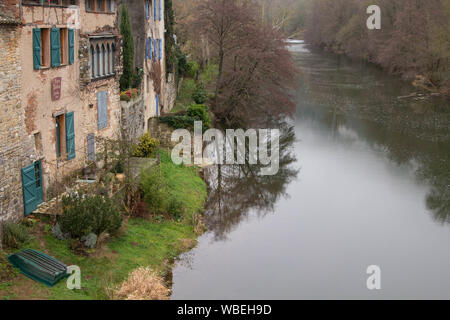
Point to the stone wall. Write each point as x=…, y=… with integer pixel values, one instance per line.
x=161, y=131
x=133, y=118
x=170, y=92
x=16, y=148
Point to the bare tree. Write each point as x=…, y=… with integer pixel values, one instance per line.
x=255, y=69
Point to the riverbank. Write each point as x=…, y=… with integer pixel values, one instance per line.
x=151, y=242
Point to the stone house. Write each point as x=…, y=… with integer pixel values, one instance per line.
x=61, y=84
x=16, y=147
x=148, y=27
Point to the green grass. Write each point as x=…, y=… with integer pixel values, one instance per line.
x=153, y=243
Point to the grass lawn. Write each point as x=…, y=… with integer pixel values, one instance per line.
x=154, y=242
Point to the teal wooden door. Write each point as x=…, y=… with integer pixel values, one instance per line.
x=32, y=187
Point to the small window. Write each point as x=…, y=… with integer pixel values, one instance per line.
x=89, y=5
x=64, y=52
x=38, y=142
x=45, y=47
x=92, y=62
x=97, y=67
x=37, y=174
x=100, y=6
x=110, y=5
x=60, y=135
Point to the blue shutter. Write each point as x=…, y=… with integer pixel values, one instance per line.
x=147, y=10
x=160, y=49
x=56, y=47
x=154, y=9
x=70, y=135
x=91, y=147
x=29, y=189
x=146, y=49
x=157, y=105
x=102, y=103
x=32, y=187
x=71, y=46
x=150, y=50
x=58, y=138
x=155, y=55
x=37, y=48
x=160, y=10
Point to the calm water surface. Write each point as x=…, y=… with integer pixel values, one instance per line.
x=364, y=180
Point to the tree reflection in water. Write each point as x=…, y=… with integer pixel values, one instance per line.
x=237, y=190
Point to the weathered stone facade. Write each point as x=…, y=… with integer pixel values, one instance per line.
x=16, y=149
x=33, y=116
x=161, y=131
x=133, y=118
x=154, y=69
x=29, y=130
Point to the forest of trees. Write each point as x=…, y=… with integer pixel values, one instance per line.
x=414, y=38
x=255, y=69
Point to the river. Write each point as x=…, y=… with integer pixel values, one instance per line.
x=364, y=180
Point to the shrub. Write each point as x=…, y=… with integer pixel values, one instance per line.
x=7, y=271
x=178, y=122
x=155, y=190
x=200, y=113
x=176, y=208
x=147, y=146
x=15, y=234
x=129, y=94
x=200, y=96
x=125, y=97
x=192, y=68
x=85, y=214
x=118, y=168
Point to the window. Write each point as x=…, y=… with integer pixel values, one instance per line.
x=111, y=60
x=101, y=60
x=64, y=52
x=110, y=5
x=90, y=5
x=147, y=10
x=65, y=3
x=38, y=142
x=45, y=47
x=100, y=5
x=107, y=60
x=65, y=136
x=102, y=53
x=52, y=47
x=97, y=61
